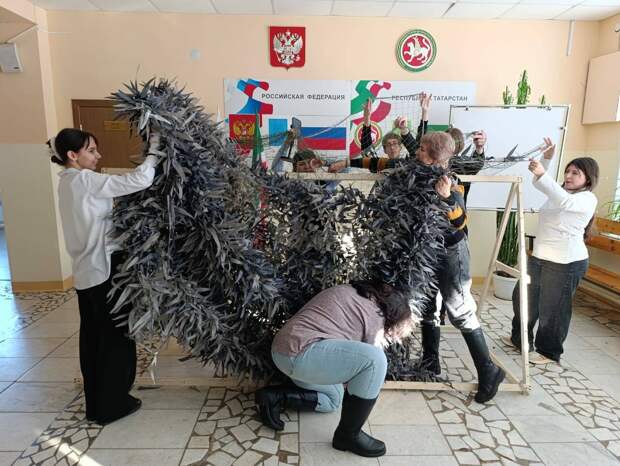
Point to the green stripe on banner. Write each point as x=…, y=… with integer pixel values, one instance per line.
x=434, y=128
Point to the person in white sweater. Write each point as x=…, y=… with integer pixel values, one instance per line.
x=85, y=197
x=560, y=257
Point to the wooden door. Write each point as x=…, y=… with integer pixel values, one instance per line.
x=116, y=142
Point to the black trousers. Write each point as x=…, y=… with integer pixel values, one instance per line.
x=107, y=354
x=550, y=295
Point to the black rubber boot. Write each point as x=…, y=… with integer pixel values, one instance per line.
x=271, y=401
x=430, y=349
x=489, y=375
x=349, y=435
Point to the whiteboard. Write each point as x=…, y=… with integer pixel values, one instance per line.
x=507, y=126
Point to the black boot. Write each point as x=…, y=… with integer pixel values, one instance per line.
x=271, y=401
x=489, y=375
x=349, y=435
x=430, y=349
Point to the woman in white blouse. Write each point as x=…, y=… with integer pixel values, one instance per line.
x=560, y=256
x=107, y=354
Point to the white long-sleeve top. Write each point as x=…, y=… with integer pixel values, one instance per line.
x=85, y=201
x=562, y=221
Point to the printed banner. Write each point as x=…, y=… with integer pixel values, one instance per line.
x=331, y=111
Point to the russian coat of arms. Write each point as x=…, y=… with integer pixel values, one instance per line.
x=287, y=46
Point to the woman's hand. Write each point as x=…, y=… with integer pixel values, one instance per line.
x=337, y=166
x=154, y=141
x=401, y=124
x=536, y=168
x=443, y=186
x=480, y=139
x=550, y=150
x=425, y=104
x=367, y=108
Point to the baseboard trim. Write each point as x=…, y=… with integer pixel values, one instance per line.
x=477, y=280
x=20, y=287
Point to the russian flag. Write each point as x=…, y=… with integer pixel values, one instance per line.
x=324, y=138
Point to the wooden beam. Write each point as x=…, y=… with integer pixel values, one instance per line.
x=378, y=176
x=608, y=226
x=439, y=386
x=509, y=375
x=604, y=278
x=605, y=243
x=496, y=248
x=523, y=297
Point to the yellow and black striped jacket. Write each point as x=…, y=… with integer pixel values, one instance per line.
x=457, y=214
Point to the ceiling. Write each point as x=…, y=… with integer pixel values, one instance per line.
x=585, y=10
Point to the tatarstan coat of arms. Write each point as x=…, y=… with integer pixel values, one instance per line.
x=416, y=50
x=287, y=46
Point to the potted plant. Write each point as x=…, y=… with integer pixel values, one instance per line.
x=503, y=284
x=613, y=207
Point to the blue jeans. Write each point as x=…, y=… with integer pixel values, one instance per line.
x=454, y=283
x=550, y=295
x=326, y=364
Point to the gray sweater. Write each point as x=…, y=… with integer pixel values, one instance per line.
x=336, y=313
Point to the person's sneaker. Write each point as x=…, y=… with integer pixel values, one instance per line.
x=539, y=359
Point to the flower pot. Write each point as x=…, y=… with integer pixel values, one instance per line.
x=503, y=286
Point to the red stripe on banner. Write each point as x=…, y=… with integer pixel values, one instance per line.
x=325, y=143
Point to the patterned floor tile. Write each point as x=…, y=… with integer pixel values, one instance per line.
x=230, y=433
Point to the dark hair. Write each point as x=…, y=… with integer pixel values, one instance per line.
x=303, y=154
x=394, y=304
x=589, y=167
x=459, y=139
x=69, y=139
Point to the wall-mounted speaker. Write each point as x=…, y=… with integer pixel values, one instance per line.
x=9, y=59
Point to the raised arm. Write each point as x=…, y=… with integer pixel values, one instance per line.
x=109, y=186
x=582, y=201
x=366, y=136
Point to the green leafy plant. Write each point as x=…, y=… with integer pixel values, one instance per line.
x=523, y=90
x=613, y=207
x=509, y=249
x=507, y=96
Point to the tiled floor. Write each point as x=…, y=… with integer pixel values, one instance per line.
x=572, y=416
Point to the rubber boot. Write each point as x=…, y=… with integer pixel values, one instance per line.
x=349, y=435
x=430, y=349
x=489, y=375
x=271, y=401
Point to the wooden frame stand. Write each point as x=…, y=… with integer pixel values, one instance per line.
x=513, y=382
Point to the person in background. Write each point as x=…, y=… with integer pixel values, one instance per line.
x=560, y=257
x=392, y=143
x=107, y=354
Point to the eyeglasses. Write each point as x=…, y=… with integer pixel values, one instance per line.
x=392, y=143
